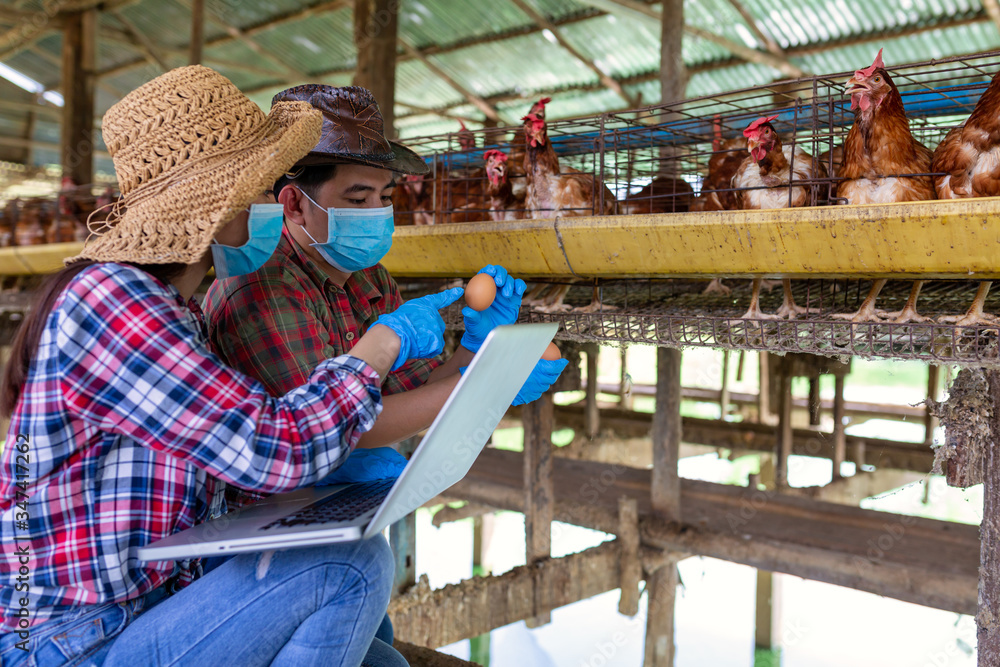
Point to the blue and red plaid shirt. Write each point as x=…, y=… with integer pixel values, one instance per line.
x=129, y=419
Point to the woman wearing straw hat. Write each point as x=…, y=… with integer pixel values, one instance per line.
x=126, y=429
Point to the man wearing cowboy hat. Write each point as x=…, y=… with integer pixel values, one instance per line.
x=324, y=286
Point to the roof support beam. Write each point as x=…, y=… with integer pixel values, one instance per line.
x=634, y=8
x=77, y=138
x=545, y=24
x=141, y=41
x=197, y=43
x=992, y=8
x=479, y=102
x=245, y=39
x=443, y=114
x=376, y=29
x=246, y=33
x=757, y=31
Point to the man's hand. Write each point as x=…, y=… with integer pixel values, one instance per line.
x=544, y=375
x=419, y=325
x=503, y=310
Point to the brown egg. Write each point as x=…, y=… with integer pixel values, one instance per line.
x=552, y=352
x=480, y=291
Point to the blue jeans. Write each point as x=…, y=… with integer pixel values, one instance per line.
x=312, y=606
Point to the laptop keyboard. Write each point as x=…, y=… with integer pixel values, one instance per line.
x=349, y=504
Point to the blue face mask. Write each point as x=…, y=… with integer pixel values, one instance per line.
x=357, y=238
x=264, y=226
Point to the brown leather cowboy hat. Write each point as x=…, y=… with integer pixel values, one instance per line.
x=352, y=130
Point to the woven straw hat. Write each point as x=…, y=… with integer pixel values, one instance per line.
x=191, y=151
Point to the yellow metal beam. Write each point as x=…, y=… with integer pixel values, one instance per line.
x=36, y=259
x=937, y=239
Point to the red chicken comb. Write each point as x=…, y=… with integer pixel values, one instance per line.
x=462, y=125
x=494, y=154
x=533, y=117
x=868, y=71
x=540, y=104
x=754, y=126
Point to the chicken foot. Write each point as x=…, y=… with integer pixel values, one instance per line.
x=867, y=312
x=909, y=312
x=975, y=314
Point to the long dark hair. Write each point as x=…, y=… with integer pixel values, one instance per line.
x=29, y=334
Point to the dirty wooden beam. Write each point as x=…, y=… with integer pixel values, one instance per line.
x=928, y=562
x=593, y=413
x=79, y=51
x=631, y=565
x=783, y=437
x=476, y=606
x=988, y=616
x=839, y=427
x=606, y=79
x=475, y=100
x=667, y=434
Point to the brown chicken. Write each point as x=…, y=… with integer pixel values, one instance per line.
x=503, y=205
x=665, y=194
x=553, y=191
x=968, y=159
x=717, y=188
x=879, y=154
x=437, y=198
x=765, y=180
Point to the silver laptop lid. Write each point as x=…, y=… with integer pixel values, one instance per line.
x=467, y=420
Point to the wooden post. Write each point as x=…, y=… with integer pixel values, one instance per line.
x=666, y=492
x=930, y=421
x=78, y=81
x=593, y=414
x=767, y=629
x=403, y=538
x=839, y=433
x=624, y=384
x=482, y=536
x=661, y=584
x=764, y=390
x=724, y=391
x=197, y=31
x=815, y=402
x=783, y=443
x=375, y=37
x=539, y=501
x=673, y=73
x=988, y=617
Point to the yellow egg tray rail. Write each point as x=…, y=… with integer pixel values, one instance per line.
x=936, y=239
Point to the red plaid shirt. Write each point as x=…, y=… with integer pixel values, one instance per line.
x=278, y=323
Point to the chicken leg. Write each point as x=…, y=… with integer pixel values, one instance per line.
x=867, y=312
x=754, y=312
x=975, y=314
x=716, y=287
x=789, y=309
x=909, y=312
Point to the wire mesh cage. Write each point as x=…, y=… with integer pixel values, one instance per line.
x=686, y=157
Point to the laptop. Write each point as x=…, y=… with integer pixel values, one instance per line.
x=346, y=512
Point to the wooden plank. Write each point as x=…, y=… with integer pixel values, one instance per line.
x=476, y=606
x=924, y=561
x=79, y=50
x=988, y=616
x=538, y=494
x=661, y=587
x=666, y=488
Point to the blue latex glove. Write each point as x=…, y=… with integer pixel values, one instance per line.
x=543, y=376
x=365, y=465
x=419, y=325
x=503, y=310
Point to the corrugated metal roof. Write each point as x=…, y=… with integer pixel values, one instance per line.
x=494, y=49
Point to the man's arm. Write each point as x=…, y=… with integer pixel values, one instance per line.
x=408, y=413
